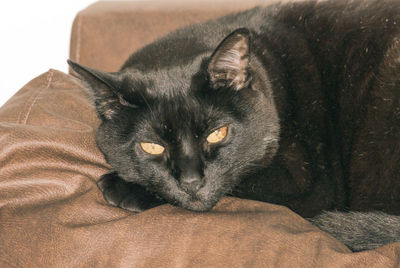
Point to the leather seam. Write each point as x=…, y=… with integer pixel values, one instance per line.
x=36, y=97
x=78, y=38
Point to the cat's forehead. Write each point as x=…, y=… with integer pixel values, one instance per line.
x=171, y=81
x=178, y=112
x=178, y=117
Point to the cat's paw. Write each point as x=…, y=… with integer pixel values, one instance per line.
x=126, y=195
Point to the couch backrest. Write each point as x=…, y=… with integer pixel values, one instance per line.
x=107, y=32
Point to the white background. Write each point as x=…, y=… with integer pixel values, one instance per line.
x=34, y=37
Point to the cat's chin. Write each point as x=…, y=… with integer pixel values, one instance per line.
x=199, y=202
x=198, y=205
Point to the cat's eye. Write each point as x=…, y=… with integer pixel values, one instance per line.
x=152, y=148
x=218, y=135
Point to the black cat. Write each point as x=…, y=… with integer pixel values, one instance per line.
x=295, y=104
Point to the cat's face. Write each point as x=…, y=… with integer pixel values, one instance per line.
x=187, y=133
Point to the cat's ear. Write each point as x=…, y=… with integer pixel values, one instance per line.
x=229, y=64
x=105, y=89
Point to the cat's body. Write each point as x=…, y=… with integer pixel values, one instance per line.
x=309, y=95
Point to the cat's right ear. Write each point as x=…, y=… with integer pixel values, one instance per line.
x=104, y=88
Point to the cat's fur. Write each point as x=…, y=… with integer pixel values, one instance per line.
x=311, y=95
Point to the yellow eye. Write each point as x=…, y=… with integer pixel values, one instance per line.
x=152, y=148
x=218, y=135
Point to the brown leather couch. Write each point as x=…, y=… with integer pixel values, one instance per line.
x=53, y=215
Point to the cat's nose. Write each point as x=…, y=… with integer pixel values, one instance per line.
x=191, y=183
x=190, y=175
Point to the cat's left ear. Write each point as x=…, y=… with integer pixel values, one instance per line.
x=229, y=64
x=105, y=89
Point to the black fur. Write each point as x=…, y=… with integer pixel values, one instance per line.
x=310, y=94
x=360, y=230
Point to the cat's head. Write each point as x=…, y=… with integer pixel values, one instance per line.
x=188, y=132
